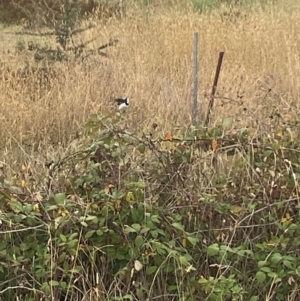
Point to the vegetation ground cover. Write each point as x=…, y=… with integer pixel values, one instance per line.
x=144, y=205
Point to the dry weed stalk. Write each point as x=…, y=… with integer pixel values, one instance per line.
x=153, y=64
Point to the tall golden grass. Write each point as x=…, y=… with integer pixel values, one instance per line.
x=152, y=64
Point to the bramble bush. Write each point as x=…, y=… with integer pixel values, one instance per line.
x=209, y=215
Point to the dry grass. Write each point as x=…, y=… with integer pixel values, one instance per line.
x=152, y=64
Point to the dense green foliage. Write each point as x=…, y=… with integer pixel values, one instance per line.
x=128, y=217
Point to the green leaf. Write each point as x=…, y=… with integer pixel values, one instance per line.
x=260, y=276
x=99, y=232
x=62, y=257
x=75, y=270
x=151, y=270
x=54, y=283
x=193, y=240
x=155, y=219
x=276, y=257
x=272, y=275
x=173, y=288
x=254, y=298
x=136, y=227
x=91, y=217
x=266, y=269
x=73, y=243
x=161, y=232
x=290, y=258
x=178, y=226
x=52, y=207
x=129, y=230
x=183, y=261
x=62, y=237
x=150, y=225
x=73, y=235
x=126, y=297
x=46, y=288
x=142, y=148
x=269, y=152
x=16, y=206
x=59, y=198
x=288, y=264
x=139, y=293
x=261, y=263
x=84, y=224
x=145, y=230
x=203, y=281
x=138, y=241
x=154, y=234
x=3, y=245
x=276, y=279
x=89, y=233
x=213, y=250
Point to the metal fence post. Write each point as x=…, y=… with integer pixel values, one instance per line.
x=195, y=90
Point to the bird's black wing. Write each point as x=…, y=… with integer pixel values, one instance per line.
x=119, y=100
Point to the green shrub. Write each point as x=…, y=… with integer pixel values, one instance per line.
x=126, y=217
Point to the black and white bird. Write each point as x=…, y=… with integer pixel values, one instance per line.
x=123, y=103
